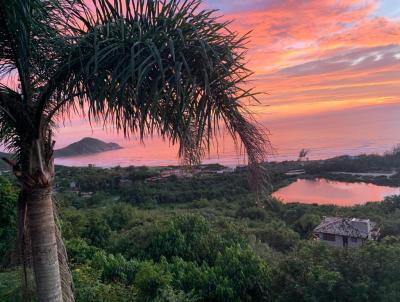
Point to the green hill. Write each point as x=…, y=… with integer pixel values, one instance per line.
x=86, y=146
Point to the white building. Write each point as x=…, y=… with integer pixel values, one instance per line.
x=346, y=232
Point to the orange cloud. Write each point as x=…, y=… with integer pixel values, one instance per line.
x=321, y=55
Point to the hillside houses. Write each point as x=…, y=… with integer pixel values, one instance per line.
x=346, y=232
x=184, y=172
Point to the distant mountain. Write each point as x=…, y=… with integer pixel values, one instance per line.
x=86, y=146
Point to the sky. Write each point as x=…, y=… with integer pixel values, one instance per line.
x=312, y=58
x=321, y=55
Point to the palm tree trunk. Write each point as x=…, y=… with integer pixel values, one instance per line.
x=42, y=230
x=38, y=231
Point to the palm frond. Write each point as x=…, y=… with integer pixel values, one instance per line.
x=145, y=67
x=14, y=119
x=32, y=35
x=159, y=67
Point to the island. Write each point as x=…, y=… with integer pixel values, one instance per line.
x=86, y=146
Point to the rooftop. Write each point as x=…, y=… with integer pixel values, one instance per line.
x=351, y=227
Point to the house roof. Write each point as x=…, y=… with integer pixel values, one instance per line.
x=352, y=227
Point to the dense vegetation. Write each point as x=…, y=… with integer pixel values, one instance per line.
x=203, y=239
x=364, y=163
x=172, y=69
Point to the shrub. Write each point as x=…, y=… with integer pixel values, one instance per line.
x=191, y=238
x=252, y=213
x=119, y=216
x=278, y=236
x=79, y=252
x=150, y=281
x=115, y=268
x=89, y=287
x=8, y=226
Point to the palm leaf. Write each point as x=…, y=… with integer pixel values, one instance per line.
x=160, y=67
x=145, y=67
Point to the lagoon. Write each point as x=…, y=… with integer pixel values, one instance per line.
x=322, y=191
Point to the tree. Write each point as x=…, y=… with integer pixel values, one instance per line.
x=143, y=67
x=8, y=201
x=303, y=154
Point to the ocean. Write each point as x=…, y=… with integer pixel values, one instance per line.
x=373, y=129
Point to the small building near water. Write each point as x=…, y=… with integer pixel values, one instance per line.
x=346, y=232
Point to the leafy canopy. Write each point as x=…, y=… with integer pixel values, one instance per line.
x=145, y=67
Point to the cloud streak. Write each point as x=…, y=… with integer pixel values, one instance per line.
x=337, y=54
x=317, y=56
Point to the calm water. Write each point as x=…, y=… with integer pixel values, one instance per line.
x=322, y=191
x=363, y=130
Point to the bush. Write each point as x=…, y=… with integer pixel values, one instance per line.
x=119, y=216
x=191, y=238
x=151, y=281
x=201, y=203
x=252, y=213
x=278, y=236
x=241, y=276
x=12, y=288
x=306, y=275
x=8, y=226
x=115, y=268
x=79, y=252
x=89, y=288
x=237, y=275
x=306, y=224
x=97, y=231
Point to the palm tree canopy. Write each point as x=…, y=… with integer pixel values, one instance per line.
x=145, y=67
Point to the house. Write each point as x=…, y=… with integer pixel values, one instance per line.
x=346, y=232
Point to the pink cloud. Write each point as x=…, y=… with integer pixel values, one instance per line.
x=313, y=56
x=326, y=52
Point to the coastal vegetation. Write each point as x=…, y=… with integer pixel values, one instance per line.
x=143, y=68
x=201, y=238
x=174, y=70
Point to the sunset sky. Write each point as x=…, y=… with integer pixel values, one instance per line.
x=316, y=56
x=313, y=58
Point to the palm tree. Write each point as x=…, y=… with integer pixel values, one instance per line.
x=303, y=154
x=143, y=67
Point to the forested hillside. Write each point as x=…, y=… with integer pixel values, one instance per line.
x=202, y=239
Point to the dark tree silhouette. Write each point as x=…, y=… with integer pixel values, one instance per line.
x=144, y=67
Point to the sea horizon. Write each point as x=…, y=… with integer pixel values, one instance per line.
x=365, y=130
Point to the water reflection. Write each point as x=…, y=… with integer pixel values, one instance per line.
x=322, y=191
x=326, y=135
